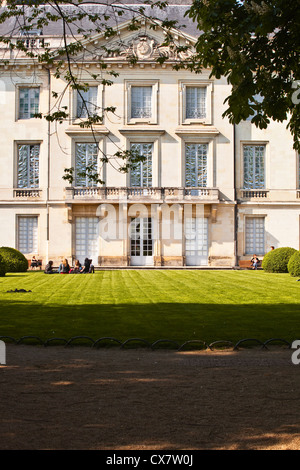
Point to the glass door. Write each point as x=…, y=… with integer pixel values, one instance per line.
x=141, y=242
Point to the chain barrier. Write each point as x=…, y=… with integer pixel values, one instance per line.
x=220, y=344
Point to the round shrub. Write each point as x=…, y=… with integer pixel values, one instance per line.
x=15, y=261
x=276, y=261
x=3, y=268
x=294, y=264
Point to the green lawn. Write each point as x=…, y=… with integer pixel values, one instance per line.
x=163, y=304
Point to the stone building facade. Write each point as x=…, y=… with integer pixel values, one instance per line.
x=207, y=193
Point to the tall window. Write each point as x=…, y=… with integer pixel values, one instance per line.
x=28, y=165
x=195, y=102
x=85, y=156
x=254, y=166
x=255, y=235
x=28, y=102
x=28, y=234
x=141, y=102
x=87, y=102
x=86, y=238
x=141, y=173
x=196, y=245
x=196, y=165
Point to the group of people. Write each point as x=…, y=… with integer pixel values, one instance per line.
x=65, y=268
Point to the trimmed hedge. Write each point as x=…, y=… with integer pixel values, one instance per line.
x=276, y=261
x=3, y=268
x=15, y=261
x=294, y=264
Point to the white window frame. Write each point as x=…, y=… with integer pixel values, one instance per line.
x=155, y=141
x=255, y=249
x=28, y=217
x=29, y=88
x=100, y=90
x=20, y=144
x=196, y=168
x=254, y=144
x=140, y=166
x=87, y=239
x=82, y=139
x=17, y=98
x=183, y=85
x=194, y=244
x=92, y=183
x=210, y=157
x=129, y=119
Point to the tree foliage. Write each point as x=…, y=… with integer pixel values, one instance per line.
x=23, y=23
x=256, y=45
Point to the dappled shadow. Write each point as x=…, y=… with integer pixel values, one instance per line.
x=82, y=398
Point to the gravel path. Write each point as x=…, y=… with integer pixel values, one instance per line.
x=111, y=399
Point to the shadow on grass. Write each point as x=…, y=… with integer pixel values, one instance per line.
x=150, y=322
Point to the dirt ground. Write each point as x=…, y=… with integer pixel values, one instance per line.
x=110, y=399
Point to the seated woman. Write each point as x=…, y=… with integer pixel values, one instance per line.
x=65, y=267
x=77, y=267
x=34, y=263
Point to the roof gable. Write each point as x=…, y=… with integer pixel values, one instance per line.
x=146, y=43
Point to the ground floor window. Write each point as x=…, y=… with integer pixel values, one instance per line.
x=27, y=234
x=255, y=235
x=196, y=245
x=86, y=238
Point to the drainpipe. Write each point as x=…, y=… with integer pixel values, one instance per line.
x=48, y=160
x=235, y=199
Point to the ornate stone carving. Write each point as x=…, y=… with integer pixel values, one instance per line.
x=143, y=47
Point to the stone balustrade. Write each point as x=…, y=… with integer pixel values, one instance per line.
x=139, y=194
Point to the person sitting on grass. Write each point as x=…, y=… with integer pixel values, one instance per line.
x=49, y=268
x=87, y=267
x=77, y=267
x=65, y=267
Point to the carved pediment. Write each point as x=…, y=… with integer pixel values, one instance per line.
x=145, y=47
